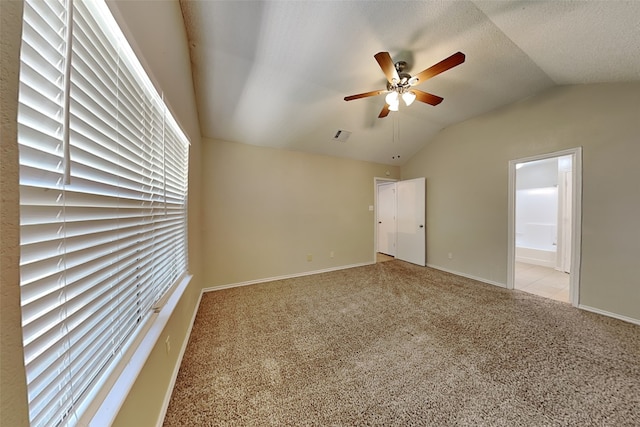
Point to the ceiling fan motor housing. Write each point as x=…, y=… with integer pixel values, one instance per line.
x=400, y=66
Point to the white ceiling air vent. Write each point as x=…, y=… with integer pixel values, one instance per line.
x=341, y=135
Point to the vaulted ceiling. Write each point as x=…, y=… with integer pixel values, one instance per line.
x=274, y=73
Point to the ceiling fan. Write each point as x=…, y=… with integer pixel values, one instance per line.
x=400, y=84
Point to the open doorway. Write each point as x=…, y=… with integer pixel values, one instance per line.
x=544, y=225
x=385, y=218
x=400, y=220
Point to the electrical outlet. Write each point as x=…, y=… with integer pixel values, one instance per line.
x=309, y=257
x=450, y=256
x=331, y=254
x=167, y=344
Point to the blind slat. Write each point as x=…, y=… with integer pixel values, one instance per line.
x=99, y=250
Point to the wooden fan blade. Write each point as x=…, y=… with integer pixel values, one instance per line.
x=384, y=112
x=364, y=95
x=427, y=97
x=444, y=65
x=388, y=67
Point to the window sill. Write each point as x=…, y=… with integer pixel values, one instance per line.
x=105, y=405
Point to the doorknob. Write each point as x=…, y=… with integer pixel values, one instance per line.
x=379, y=222
x=421, y=226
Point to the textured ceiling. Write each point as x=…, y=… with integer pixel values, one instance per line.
x=274, y=73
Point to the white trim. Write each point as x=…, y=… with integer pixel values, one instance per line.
x=580, y=306
x=135, y=359
x=576, y=220
x=609, y=314
x=534, y=261
x=576, y=232
x=288, y=276
x=511, y=226
x=176, y=368
x=468, y=276
x=544, y=258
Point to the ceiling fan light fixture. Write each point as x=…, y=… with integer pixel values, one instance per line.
x=399, y=83
x=392, y=98
x=408, y=98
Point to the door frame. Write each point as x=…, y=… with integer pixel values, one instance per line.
x=576, y=219
x=376, y=181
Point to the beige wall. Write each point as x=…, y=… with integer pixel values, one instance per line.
x=13, y=390
x=158, y=45
x=265, y=210
x=466, y=167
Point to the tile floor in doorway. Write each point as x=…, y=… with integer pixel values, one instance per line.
x=380, y=257
x=542, y=281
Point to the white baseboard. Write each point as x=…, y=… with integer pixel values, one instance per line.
x=544, y=258
x=288, y=276
x=609, y=314
x=468, y=276
x=536, y=261
x=580, y=306
x=174, y=375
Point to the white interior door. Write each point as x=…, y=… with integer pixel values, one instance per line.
x=386, y=214
x=565, y=186
x=410, y=214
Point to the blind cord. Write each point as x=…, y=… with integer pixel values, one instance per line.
x=66, y=146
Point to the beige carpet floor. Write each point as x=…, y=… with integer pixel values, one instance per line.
x=393, y=344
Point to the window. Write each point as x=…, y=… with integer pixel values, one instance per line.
x=103, y=189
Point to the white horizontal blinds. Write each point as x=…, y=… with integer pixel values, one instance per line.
x=172, y=219
x=40, y=132
x=176, y=188
x=100, y=194
x=156, y=159
x=100, y=249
